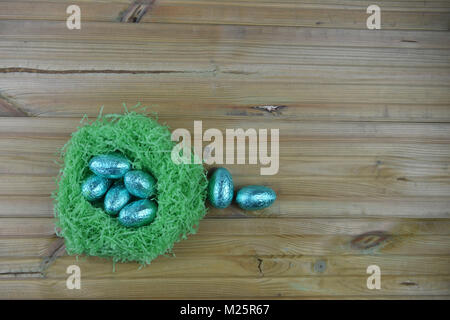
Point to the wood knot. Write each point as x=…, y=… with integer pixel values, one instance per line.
x=135, y=12
x=275, y=110
x=369, y=240
x=408, y=283
x=320, y=266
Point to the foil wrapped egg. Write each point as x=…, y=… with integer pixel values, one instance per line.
x=220, y=188
x=140, y=184
x=138, y=213
x=112, y=166
x=255, y=197
x=94, y=187
x=116, y=198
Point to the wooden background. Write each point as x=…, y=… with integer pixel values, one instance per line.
x=364, y=119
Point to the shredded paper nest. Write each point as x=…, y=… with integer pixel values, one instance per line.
x=181, y=190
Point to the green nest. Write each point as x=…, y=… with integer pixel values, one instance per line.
x=181, y=190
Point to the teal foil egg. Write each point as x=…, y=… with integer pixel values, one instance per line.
x=112, y=166
x=220, y=188
x=138, y=213
x=94, y=187
x=116, y=198
x=255, y=197
x=140, y=184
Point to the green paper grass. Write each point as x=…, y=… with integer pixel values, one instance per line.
x=181, y=190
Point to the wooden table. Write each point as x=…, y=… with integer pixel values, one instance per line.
x=364, y=119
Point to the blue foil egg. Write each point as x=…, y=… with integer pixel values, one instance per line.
x=140, y=184
x=138, y=213
x=116, y=198
x=94, y=187
x=220, y=188
x=112, y=166
x=255, y=197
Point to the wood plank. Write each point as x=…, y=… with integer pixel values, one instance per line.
x=261, y=70
x=383, y=149
x=269, y=245
x=431, y=15
x=287, y=207
x=323, y=206
x=32, y=163
x=245, y=266
x=52, y=128
x=312, y=245
x=381, y=167
x=265, y=226
x=20, y=267
x=43, y=227
x=24, y=206
x=354, y=265
x=78, y=94
x=225, y=266
x=30, y=247
x=27, y=227
x=437, y=4
x=217, y=110
x=229, y=287
x=224, y=57
x=333, y=187
x=51, y=31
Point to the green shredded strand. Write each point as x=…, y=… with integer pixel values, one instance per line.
x=181, y=190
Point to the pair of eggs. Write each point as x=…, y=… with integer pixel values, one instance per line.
x=221, y=192
x=135, y=183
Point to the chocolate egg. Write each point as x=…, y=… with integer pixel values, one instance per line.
x=116, y=198
x=140, y=184
x=112, y=166
x=255, y=197
x=138, y=213
x=94, y=187
x=220, y=188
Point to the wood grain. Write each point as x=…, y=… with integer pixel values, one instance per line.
x=265, y=245
x=222, y=266
x=432, y=15
x=290, y=206
x=44, y=227
x=205, y=288
x=364, y=119
x=78, y=94
x=329, y=74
